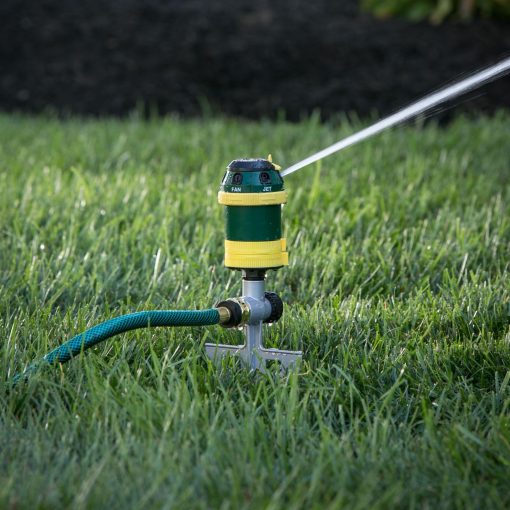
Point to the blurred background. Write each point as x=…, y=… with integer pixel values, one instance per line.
x=246, y=58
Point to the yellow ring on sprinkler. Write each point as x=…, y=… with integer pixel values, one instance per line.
x=253, y=254
x=269, y=198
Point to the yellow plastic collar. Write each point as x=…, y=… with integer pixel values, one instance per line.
x=256, y=254
x=271, y=198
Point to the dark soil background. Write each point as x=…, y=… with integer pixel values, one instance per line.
x=241, y=57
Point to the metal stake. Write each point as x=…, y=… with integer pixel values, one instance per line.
x=253, y=352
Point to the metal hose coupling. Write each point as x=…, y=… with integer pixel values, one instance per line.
x=234, y=312
x=240, y=311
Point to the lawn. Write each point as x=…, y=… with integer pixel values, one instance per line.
x=397, y=291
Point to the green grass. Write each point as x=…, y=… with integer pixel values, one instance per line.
x=397, y=291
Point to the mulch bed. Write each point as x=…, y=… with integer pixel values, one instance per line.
x=239, y=57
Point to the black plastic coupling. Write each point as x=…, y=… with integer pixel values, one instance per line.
x=235, y=313
x=276, y=307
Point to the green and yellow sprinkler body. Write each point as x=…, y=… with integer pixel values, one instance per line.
x=253, y=194
x=252, y=191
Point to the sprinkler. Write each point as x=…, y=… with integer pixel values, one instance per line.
x=253, y=194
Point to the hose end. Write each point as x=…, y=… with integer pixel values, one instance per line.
x=233, y=312
x=224, y=314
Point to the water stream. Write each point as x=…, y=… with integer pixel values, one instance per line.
x=461, y=87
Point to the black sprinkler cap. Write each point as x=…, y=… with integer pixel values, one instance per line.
x=251, y=165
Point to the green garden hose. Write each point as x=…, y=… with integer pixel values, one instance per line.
x=121, y=324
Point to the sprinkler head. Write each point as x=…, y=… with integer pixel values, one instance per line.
x=252, y=192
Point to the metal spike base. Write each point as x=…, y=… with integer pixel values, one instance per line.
x=253, y=352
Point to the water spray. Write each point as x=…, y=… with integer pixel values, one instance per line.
x=252, y=192
x=409, y=112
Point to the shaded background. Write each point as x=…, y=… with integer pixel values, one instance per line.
x=238, y=57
